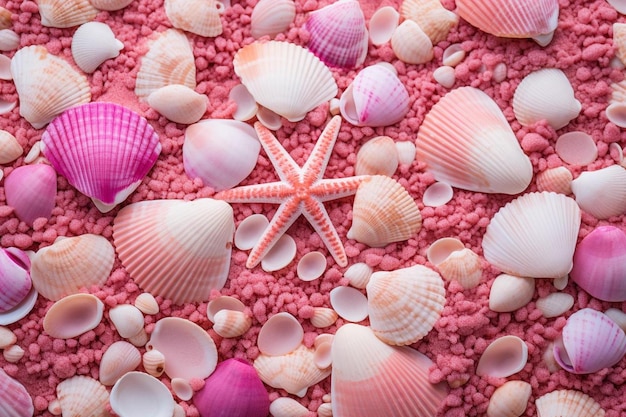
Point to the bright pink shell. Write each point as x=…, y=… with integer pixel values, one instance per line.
x=31, y=190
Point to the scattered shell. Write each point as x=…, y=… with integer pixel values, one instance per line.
x=179, y=103
x=246, y=105
x=147, y=304
x=127, y=319
x=561, y=282
x=349, y=303
x=10, y=148
x=558, y=180
x=382, y=24
x=7, y=106
x=280, y=255
x=139, y=394
x=455, y=262
x=13, y=354
x=119, y=358
x=140, y=339
x=82, y=396
x=110, y=5
x=31, y=190
x=15, y=279
x=619, y=40
x=325, y=410
x=411, y=44
x=287, y=407
x=201, y=17
x=555, y=304
x=377, y=156
x=9, y=40
x=358, y=274
x=576, y=148
x=406, y=152
x=21, y=310
x=434, y=19
x=269, y=119
x=568, y=403
x=92, y=44
x=508, y=293
x=231, y=323
x=34, y=153
x=616, y=113
x=153, y=362
x=602, y=193
x=271, y=17
x=223, y=302
x=6, y=19
x=182, y=388
x=505, y=356
x=618, y=316
x=7, y=337
x=510, y=399
x=437, y=194
x=323, y=317
x=453, y=55
x=15, y=400
x=65, y=13
x=281, y=334
x=73, y=315
x=311, y=266
x=445, y=76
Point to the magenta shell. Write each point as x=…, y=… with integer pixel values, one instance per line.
x=15, y=282
x=600, y=264
x=233, y=390
x=31, y=190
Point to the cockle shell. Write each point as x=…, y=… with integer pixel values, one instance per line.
x=92, y=44
x=323, y=317
x=373, y=379
x=127, y=148
x=534, y=99
x=15, y=280
x=503, y=357
x=590, y=341
x=147, y=303
x=153, y=362
x=127, y=319
x=558, y=180
x=73, y=315
x=376, y=97
x=377, y=156
x=466, y=141
x=271, y=17
x=9, y=40
x=231, y=323
x=65, y=13
x=567, y=403
x=13, y=353
x=534, y=236
x=15, y=401
x=10, y=148
x=404, y=304
x=508, y=293
x=555, y=304
x=119, y=358
x=411, y=44
x=382, y=24
x=46, y=84
x=434, y=19
x=179, y=103
x=287, y=407
x=110, y=5
x=602, y=193
x=280, y=334
x=384, y=212
x=201, y=17
x=510, y=399
x=284, y=77
x=161, y=239
x=139, y=394
x=455, y=262
x=31, y=190
x=358, y=274
x=445, y=76
x=338, y=35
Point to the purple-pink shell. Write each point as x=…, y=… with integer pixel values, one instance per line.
x=14, y=399
x=15, y=282
x=31, y=190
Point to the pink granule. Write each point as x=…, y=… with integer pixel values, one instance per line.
x=582, y=47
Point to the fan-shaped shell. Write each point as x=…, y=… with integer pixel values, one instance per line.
x=46, y=84
x=191, y=240
x=287, y=407
x=510, y=399
x=10, y=148
x=137, y=393
x=377, y=156
x=92, y=44
x=110, y=5
x=82, y=396
x=602, y=193
x=384, y=212
x=31, y=190
x=15, y=401
x=271, y=17
x=118, y=145
x=201, y=17
x=73, y=315
x=466, y=141
x=405, y=304
x=65, y=13
x=411, y=44
x=284, y=77
x=119, y=358
x=456, y=262
x=569, y=403
x=179, y=103
x=434, y=19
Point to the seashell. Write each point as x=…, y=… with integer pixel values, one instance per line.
x=568, y=403
x=505, y=356
x=325, y=410
x=358, y=274
x=284, y=77
x=445, y=76
x=466, y=141
x=110, y=5
x=182, y=388
x=378, y=156
x=231, y=323
x=561, y=282
x=453, y=55
x=158, y=239
x=411, y=44
x=10, y=148
x=6, y=106
x=534, y=99
x=153, y=362
x=147, y=304
x=7, y=337
x=46, y=84
x=533, y=236
x=73, y=315
x=590, y=341
x=250, y=231
x=576, y=148
x=220, y=164
x=437, y=194
x=311, y=266
x=21, y=310
x=13, y=353
x=223, y=302
x=602, y=193
x=434, y=19
x=6, y=18
x=82, y=396
x=188, y=349
x=31, y=190
x=127, y=149
x=376, y=97
x=618, y=316
x=555, y=304
x=512, y=19
x=127, y=319
x=287, y=407
x=371, y=378
x=382, y=24
x=200, y=17
x=268, y=118
x=323, y=317
x=92, y=44
x=15, y=280
x=119, y=358
x=72, y=263
x=280, y=255
x=616, y=113
x=16, y=401
x=294, y=372
x=271, y=17
x=9, y=40
x=406, y=152
x=619, y=40
x=404, y=304
x=281, y=334
x=169, y=60
x=246, y=105
x=65, y=13
x=234, y=389
x=510, y=399
x=558, y=180
x=137, y=393
x=383, y=213
x=349, y=303
x=33, y=154
x=338, y=35
x=508, y=293
x=455, y=262
x=179, y=103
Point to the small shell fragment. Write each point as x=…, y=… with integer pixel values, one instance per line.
x=13, y=353
x=127, y=319
x=281, y=254
x=437, y=194
x=323, y=317
x=358, y=274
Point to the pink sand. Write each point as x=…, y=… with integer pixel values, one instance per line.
x=582, y=47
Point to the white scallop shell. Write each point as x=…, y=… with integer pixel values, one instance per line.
x=271, y=17
x=456, y=262
x=73, y=315
x=601, y=193
x=411, y=44
x=568, y=403
x=437, y=194
x=201, y=17
x=179, y=103
x=92, y=44
x=311, y=266
x=119, y=358
x=82, y=396
x=153, y=362
x=65, y=13
x=138, y=393
x=9, y=40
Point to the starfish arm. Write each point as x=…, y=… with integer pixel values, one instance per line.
x=283, y=163
x=272, y=192
x=332, y=189
x=285, y=216
x=315, y=165
x=316, y=214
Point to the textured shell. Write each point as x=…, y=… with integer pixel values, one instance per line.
x=9, y=40
x=119, y=358
x=169, y=60
x=110, y=4
x=373, y=379
x=271, y=17
x=201, y=17
x=7, y=337
x=65, y=13
x=46, y=84
x=338, y=35
x=508, y=293
x=555, y=304
x=127, y=320
x=534, y=99
x=466, y=141
x=153, y=362
x=358, y=274
x=13, y=353
x=158, y=239
x=601, y=193
x=31, y=190
x=15, y=401
x=405, y=304
x=503, y=357
x=568, y=403
x=384, y=212
x=137, y=393
x=231, y=323
x=147, y=304
x=21, y=310
x=576, y=148
x=179, y=103
x=73, y=315
x=284, y=77
x=287, y=407
x=72, y=263
x=377, y=156
x=92, y=44
x=534, y=236
x=15, y=280
x=434, y=19
x=456, y=262
x=10, y=148
x=411, y=44
x=619, y=40
x=558, y=180
x=223, y=302
x=118, y=145
x=509, y=400
x=323, y=317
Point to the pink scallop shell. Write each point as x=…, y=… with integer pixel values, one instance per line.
x=103, y=149
x=15, y=282
x=31, y=190
x=15, y=401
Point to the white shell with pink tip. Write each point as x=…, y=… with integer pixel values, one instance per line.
x=271, y=17
x=73, y=315
x=139, y=394
x=281, y=334
x=31, y=190
x=601, y=193
x=503, y=357
x=179, y=103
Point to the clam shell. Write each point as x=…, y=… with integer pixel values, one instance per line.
x=434, y=19
x=287, y=407
x=137, y=393
x=73, y=315
x=601, y=193
x=284, y=77
x=445, y=76
x=437, y=194
x=377, y=156
x=555, y=304
x=250, y=231
x=65, y=13
x=110, y=5
x=6, y=19
x=323, y=317
x=231, y=323
x=271, y=17
x=7, y=337
x=31, y=190
x=92, y=44
x=371, y=378
x=246, y=106
x=349, y=303
x=15, y=401
x=510, y=399
x=182, y=388
x=82, y=396
x=567, y=403
x=179, y=103
x=119, y=358
x=384, y=212
x=10, y=148
x=455, y=262
x=534, y=236
x=15, y=279
x=72, y=263
x=466, y=141
x=9, y=40
x=311, y=266
x=147, y=303
x=382, y=24
x=411, y=44
x=13, y=353
x=405, y=304
x=503, y=357
x=616, y=113
x=158, y=239
x=280, y=334
x=558, y=180
x=201, y=17
x=127, y=319
x=358, y=274
x=223, y=302
x=576, y=148
x=508, y=293
x=153, y=362
x=46, y=84
x=453, y=55
x=534, y=99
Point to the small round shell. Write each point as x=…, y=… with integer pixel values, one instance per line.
x=127, y=319
x=201, y=17
x=504, y=357
x=73, y=315
x=119, y=358
x=281, y=334
x=231, y=323
x=147, y=303
x=508, y=293
x=510, y=399
x=179, y=103
x=10, y=148
x=323, y=317
x=378, y=156
x=153, y=362
x=555, y=304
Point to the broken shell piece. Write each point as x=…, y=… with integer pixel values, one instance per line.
x=455, y=262
x=73, y=315
x=21, y=310
x=13, y=353
x=555, y=304
x=349, y=303
x=510, y=399
x=576, y=148
x=281, y=254
x=378, y=156
x=127, y=319
x=311, y=266
x=558, y=180
x=323, y=317
x=271, y=17
x=153, y=362
x=179, y=103
x=10, y=148
x=137, y=393
x=92, y=44
x=119, y=358
x=147, y=304
x=281, y=334
x=568, y=403
x=287, y=407
x=358, y=274
x=82, y=396
x=601, y=193
x=223, y=302
x=410, y=44
x=437, y=194
x=616, y=113
x=246, y=105
x=231, y=323
x=382, y=24
x=503, y=357
x=508, y=293
x=453, y=55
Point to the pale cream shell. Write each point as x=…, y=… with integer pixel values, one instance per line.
x=510, y=399
x=9, y=40
x=434, y=19
x=7, y=337
x=110, y=5
x=13, y=353
x=147, y=303
x=153, y=362
x=555, y=304
x=92, y=44
x=137, y=393
x=568, y=402
x=377, y=156
x=119, y=358
x=558, y=180
x=503, y=357
x=73, y=315
x=271, y=17
x=358, y=274
x=602, y=193
x=287, y=407
x=65, y=13
x=509, y=292
x=410, y=44
x=223, y=302
x=231, y=323
x=455, y=262
x=201, y=17
x=246, y=105
x=83, y=396
x=323, y=317
x=127, y=319
x=10, y=148
x=179, y=103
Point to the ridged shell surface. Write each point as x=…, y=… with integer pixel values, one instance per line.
x=10, y=148
x=15, y=280
x=110, y=5
x=65, y=13
x=434, y=19
x=271, y=17
x=15, y=401
x=119, y=358
x=569, y=403
x=201, y=17
x=83, y=396
x=510, y=399
x=601, y=193
x=92, y=44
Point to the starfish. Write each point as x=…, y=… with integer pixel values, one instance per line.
x=301, y=190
